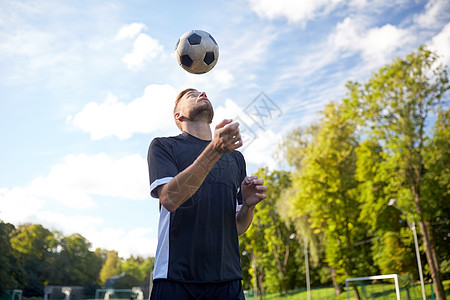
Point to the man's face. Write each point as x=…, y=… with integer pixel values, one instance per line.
x=196, y=106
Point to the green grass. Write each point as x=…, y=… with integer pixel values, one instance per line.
x=378, y=291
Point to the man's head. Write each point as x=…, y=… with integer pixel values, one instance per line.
x=192, y=106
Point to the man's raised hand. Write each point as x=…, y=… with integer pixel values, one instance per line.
x=226, y=137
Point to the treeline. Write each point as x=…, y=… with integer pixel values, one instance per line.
x=32, y=257
x=375, y=164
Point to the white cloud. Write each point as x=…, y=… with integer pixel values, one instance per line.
x=45, y=42
x=68, y=224
x=261, y=143
x=437, y=13
x=231, y=110
x=136, y=241
x=223, y=77
x=74, y=182
x=144, y=50
x=380, y=43
x=80, y=176
x=261, y=150
x=130, y=31
x=441, y=44
x=376, y=45
x=293, y=10
x=17, y=204
x=218, y=79
x=151, y=112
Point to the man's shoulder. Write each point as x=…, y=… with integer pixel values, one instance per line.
x=167, y=140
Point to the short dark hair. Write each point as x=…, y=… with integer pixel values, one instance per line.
x=177, y=101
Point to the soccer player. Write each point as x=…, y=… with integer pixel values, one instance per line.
x=206, y=201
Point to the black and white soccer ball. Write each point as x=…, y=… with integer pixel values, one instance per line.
x=197, y=52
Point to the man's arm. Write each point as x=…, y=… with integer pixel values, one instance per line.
x=253, y=192
x=177, y=191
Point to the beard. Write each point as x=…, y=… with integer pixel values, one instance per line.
x=203, y=113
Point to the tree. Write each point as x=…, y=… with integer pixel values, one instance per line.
x=11, y=272
x=393, y=246
x=293, y=149
x=138, y=267
x=393, y=108
x=436, y=189
x=75, y=264
x=111, y=266
x=269, y=241
x=34, y=247
x=326, y=194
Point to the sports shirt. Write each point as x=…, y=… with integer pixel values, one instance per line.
x=198, y=242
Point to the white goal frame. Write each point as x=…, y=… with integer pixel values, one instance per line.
x=16, y=292
x=135, y=290
x=394, y=276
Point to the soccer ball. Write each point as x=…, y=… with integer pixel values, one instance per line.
x=197, y=51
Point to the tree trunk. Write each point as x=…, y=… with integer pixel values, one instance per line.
x=261, y=288
x=337, y=288
x=429, y=248
x=356, y=292
x=434, y=266
x=427, y=235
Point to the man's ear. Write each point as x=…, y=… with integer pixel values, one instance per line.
x=178, y=116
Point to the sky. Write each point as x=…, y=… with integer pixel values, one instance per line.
x=86, y=85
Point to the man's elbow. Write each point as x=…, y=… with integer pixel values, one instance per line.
x=169, y=205
x=164, y=198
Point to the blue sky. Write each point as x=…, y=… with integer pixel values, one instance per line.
x=86, y=85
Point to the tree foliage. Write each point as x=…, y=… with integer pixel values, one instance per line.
x=393, y=110
x=269, y=241
x=374, y=147
x=32, y=256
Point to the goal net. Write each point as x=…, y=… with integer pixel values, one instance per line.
x=373, y=287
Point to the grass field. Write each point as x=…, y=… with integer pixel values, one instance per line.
x=379, y=291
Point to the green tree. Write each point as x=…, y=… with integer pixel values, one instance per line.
x=139, y=268
x=393, y=246
x=393, y=108
x=11, y=272
x=34, y=246
x=75, y=264
x=269, y=241
x=326, y=194
x=146, y=269
x=111, y=267
x=132, y=266
x=293, y=149
x=437, y=186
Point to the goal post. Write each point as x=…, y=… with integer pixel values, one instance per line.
x=16, y=295
x=107, y=294
x=375, y=277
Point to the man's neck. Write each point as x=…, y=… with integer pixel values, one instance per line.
x=200, y=130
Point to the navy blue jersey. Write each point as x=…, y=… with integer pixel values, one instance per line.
x=198, y=242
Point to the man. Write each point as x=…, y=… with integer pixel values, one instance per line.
x=206, y=201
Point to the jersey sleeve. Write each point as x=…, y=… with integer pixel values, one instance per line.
x=162, y=166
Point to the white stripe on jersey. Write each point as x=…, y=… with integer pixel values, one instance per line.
x=162, y=251
x=159, y=182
